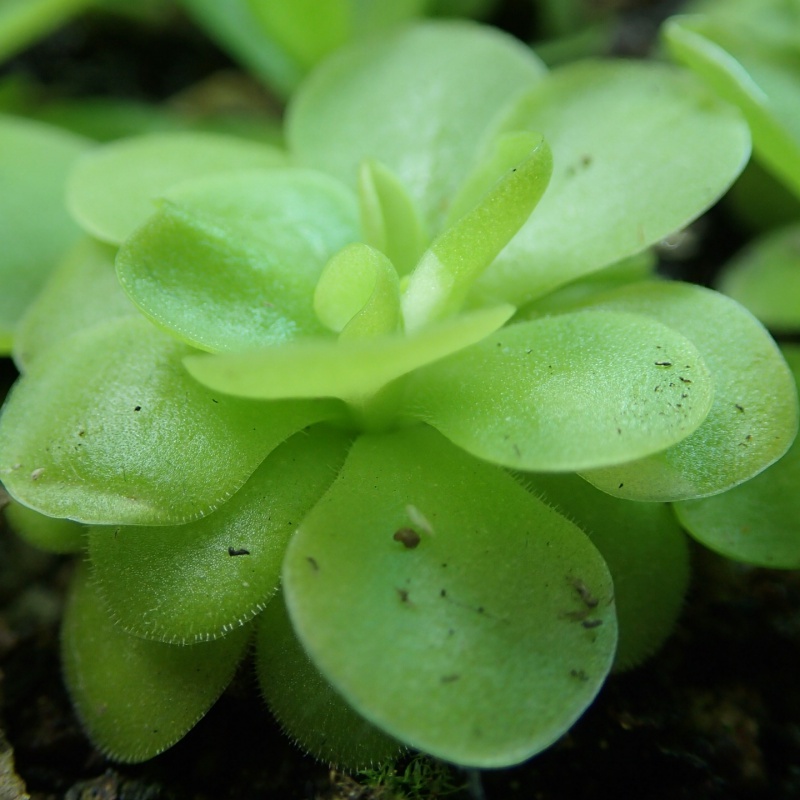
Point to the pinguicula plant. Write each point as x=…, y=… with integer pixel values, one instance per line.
x=415, y=370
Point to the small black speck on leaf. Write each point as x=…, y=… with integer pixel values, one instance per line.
x=663, y=363
x=137, y=408
x=313, y=561
x=232, y=551
x=739, y=408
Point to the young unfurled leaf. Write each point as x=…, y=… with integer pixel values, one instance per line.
x=389, y=219
x=82, y=291
x=639, y=150
x=108, y=428
x=230, y=262
x=565, y=392
x=646, y=553
x=447, y=270
x=358, y=293
x=135, y=697
x=113, y=191
x=759, y=521
x=306, y=706
x=215, y=574
x=765, y=278
x=420, y=100
x=468, y=640
x=352, y=370
x=35, y=229
x=753, y=419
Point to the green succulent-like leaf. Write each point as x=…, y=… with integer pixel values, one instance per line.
x=215, y=574
x=230, y=262
x=234, y=25
x=639, y=150
x=420, y=100
x=565, y=392
x=358, y=293
x=135, y=697
x=81, y=292
x=646, y=553
x=765, y=90
x=305, y=704
x=112, y=190
x=759, y=521
x=444, y=275
x=389, y=218
x=765, y=278
x=754, y=416
x=108, y=428
x=47, y=533
x=35, y=229
x=448, y=565
x=353, y=369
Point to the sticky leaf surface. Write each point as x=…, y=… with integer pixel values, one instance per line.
x=108, y=428
x=134, y=697
x=231, y=262
x=433, y=592
x=564, y=392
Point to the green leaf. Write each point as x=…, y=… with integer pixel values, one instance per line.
x=308, y=709
x=420, y=100
x=108, y=428
x=230, y=262
x=765, y=278
x=35, y=229
x=134, y=697
x=434, y=593
x=389, y=219
x=234, y=25
x=754, y=416
x=22, y=22
x=358, y=293
x=640, y=149
x=444, y=275
x=759, y=521
x=353, y=369
x=565, y=392
x=46, y=533
x=215, y=574
x=81, y=292
x=766, y=92
x=112, y=191
x=646, y=553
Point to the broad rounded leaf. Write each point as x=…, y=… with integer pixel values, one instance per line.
x=305, y=704
x=213, y=575
x=134, y=697
x=47, y=533
x=350, y=369
x=435, y=594
x=767, y=92
x=765, y=278
x=108, y=428
x=639, y=150
x=420, y=100
x=81, y=292
x=230, y=262
x=35, y=229
x=566, y=392
x=754, y=416
x=112, y=190
x=759, y=521
x=645, y=550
